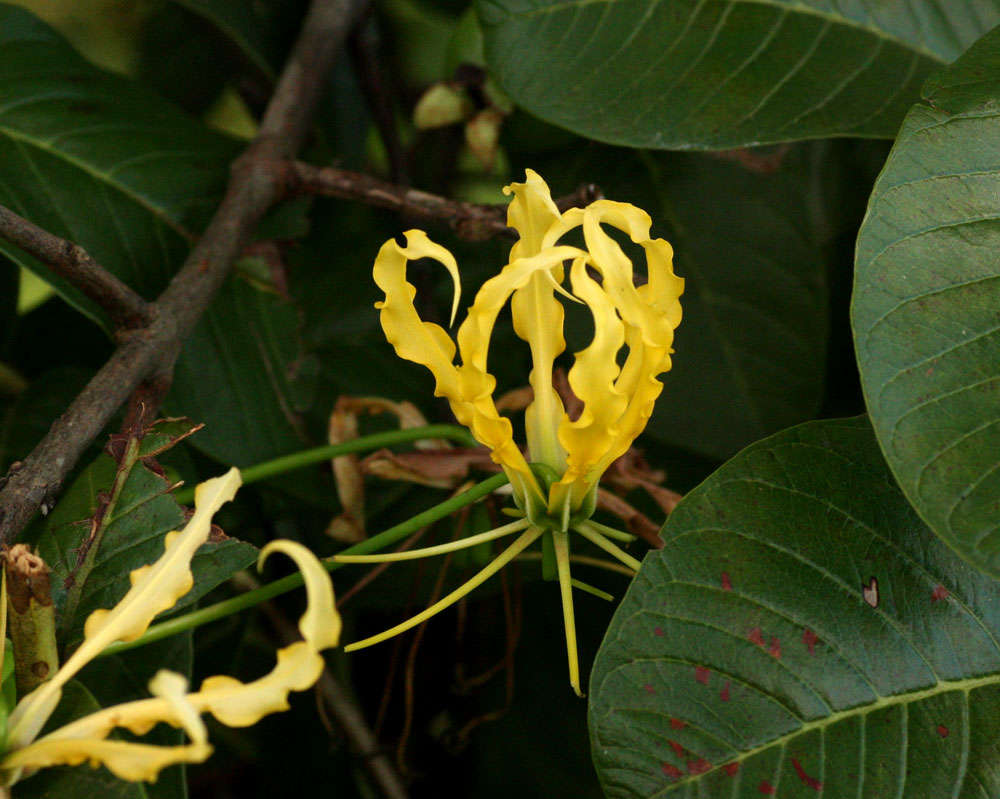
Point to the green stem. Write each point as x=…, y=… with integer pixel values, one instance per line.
x=234, y=605
x=307, y=457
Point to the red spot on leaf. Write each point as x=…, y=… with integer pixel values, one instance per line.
x=939, y=592
x=766, y=788
x=809, y=639
x=671, y=771
x=732, y=768
x=699, y=766
x=658, y=631
x=756, y=636
x=775, y=649
x=677, y=724
x=701, y=674
x=649, y=689
x=727, y=584
x=942, y=730
x=678, y=749
x=724, y=693
x=808, y=781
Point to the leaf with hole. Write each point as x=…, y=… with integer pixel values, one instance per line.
x=926, y=306
x=712, y=74
x=801, y=631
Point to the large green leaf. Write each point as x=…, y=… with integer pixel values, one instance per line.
x=748, y=659
x=241, y=24
x=132, y=537
x=108, y=164
x=99, y=160
x=235, y=375
x=926, y=295
x=723, y=73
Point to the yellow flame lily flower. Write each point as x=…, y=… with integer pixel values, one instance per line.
x=554, y=486
x=155, y=588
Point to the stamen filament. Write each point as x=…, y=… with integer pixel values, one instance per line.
x=560, y=541
x=611, y=532
x=586, y=560
x=439, y=549
x=594, y=536
x=527, y=538
x=589, y=589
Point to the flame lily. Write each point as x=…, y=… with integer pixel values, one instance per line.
x=155, y=588
x=554, y=486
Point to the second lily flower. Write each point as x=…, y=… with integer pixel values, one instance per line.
x=554, y=486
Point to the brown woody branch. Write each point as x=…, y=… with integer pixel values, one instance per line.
x=469, y=220
x=257, y=182
x=124, y=307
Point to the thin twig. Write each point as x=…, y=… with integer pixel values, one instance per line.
x=124, y=307
x=256, y=183
x=469, y=220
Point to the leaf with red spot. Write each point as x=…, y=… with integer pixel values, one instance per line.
x=810, y=515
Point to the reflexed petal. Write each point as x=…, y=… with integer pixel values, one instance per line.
x=155, y=588
x=469, y=388
x=129, y=761
x=83, y=740
x=592, y=379
x=531, y=213
x=649, y=313
x=538, y=319
x=320, y=624
x=474, y=336
x=413, y=339
x=238, y=704
x=232, y=702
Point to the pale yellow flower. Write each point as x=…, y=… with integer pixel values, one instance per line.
x=155, y=588
x=554, y=485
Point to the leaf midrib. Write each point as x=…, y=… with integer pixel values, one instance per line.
x=778, y=4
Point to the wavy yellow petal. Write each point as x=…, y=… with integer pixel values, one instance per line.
x=474, y=337
x=413, y=339
x=538, y=319
x=172, y=688
x=320, y=625
x=592, y=378
x=238, y=704
x=129, y=761
x=649, y=313
x=155, y=588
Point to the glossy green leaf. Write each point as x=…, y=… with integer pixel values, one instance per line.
x=235, y=375
x=111, y=166
x=99, y=160
x=144, y=513
x=925, y=305
x=801, y=630
x=240, y=23
x=681, y=74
